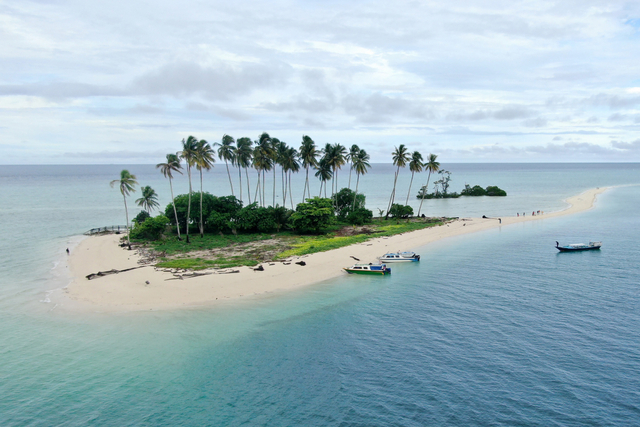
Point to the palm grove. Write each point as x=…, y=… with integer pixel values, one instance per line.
x=253, y=161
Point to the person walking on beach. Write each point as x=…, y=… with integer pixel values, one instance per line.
x=67, y=251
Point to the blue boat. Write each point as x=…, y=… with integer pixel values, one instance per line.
x=574, y=247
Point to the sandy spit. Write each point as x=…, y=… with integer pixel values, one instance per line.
x=149, y=289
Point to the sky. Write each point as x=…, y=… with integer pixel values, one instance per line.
x=123, y=82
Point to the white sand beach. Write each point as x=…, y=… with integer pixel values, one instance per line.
x=147, y=288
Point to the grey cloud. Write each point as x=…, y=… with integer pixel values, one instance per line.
x=627, y=146
x=535, y=123
x=511, y=112
x=617, y=117
x=60, y=90
x=557, y=138
x=613, y=101
x=119, y=154
x=222, y=82
x=379, y=107
x=592, y=119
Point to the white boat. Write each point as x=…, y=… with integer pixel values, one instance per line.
x=400, y=257
x=363, y=268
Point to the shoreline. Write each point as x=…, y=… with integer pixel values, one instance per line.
x=146, y=288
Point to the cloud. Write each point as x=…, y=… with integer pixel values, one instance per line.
x=613, y=101
x=627, y=146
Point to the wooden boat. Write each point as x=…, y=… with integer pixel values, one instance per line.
x=362, y=268
x=579, y=247
x=400, y=257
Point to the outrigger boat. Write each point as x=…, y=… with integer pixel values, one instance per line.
x=579, y=247
x=400, y=257
x=362, y=268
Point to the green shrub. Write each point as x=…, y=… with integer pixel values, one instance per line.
x=151, y=228
x=495, y=191
x=343, y=202
x=360, y=216
x=314, y=216
x=141, y=217
x=400, y=211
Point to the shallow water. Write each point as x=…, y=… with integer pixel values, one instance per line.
x=493, y=328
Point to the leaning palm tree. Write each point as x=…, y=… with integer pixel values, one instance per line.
x=149, y=199
x=243, y=156
x=189, y=154
x=361, y=165
x=259, y=161
x=432, y=166
x=350, y=157
x=400, y=158
x=290, y=164
x=324, y=174
x=415, y=165
x=227, y=152
x=204, y=160
x=282, y=152
x=126, y=183
x=308, y=155
x=167, y=169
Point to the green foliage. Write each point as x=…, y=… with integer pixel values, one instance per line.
x=479, y=191
x=344, y=204
x=400, y=211
x=141, y=217
x=359, y=216
x=314, y=216
x=222, y=205
x=151, y=228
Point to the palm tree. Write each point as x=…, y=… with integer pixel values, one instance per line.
x=324, y=174
x=149, y=199
x=188, y=153
x=432, y=166
x=204, y=160
x=290, y=164
x=308, y=155
x=400, y=158
x=281, y=153
x=334, y=155
x=261, y=162
x=167, y=169
x=243, y=160
x=264, y=146
x=415, y=165
x=227, y=152
x=127, y=183
x=360, y=164
x=350, y=157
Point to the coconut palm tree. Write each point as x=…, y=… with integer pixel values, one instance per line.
x=243, y=156
x=261, y=163
x=309, y=157
x=167, y=169
x=400, y=158
x=361, y=165
x=126, y=183
x=350, y=157
x=227, y=152
x=432, y=166
x=189, y=154
x=281, y=153
x=266, y=155
x=334, y=155
x=324, y=174
x=415, y=165
x=277, y=147
x=204, y=160
x=290, y=164
x=149, y=199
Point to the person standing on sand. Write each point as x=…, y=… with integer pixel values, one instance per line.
x=67, y=251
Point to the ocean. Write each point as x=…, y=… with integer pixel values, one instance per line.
x=492, y=328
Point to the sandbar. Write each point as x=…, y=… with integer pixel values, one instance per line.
x=148, y=288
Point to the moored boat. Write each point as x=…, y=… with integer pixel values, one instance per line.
x=579, y=247
x=362, y=268
x=400, y=257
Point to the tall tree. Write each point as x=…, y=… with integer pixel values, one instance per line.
x=324, y=174
x=244, y=153
x=281, y=153
x=227, y=152
x=189, y=154
x=400, y=158
x=361, y=165
x=149, y=199
x=432, y=166
x=266, y=155
x=204, y=160
x=415, y=165
x=351, y=157
x=309, y=157
x=167, y=169
x=290, y=164
x=127, y=184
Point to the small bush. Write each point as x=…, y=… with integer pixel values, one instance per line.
x=151, y=228
x=141, y=217
x=360, y=216
x=400, y=211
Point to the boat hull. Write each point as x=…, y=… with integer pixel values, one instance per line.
x=566, y=249
x=369, y=272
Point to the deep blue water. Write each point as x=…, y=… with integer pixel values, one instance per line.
x=493, y=328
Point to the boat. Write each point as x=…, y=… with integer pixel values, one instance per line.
x=362, y=268
x=579, y=247
x=400, y=257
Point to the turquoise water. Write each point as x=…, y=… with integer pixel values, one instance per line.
x=494, y=328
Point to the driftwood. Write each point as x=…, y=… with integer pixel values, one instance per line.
x=106, y=273
x=187, y=276
x=357, y=259
x=227, y=271
x=301, y=263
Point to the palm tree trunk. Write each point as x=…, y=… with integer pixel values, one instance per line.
x=258, y=194
x=290, y=192
x=246, y=172
x=126, y=212
x=201, y=225
x=356, y=192
x=306, y=186
x=320, y=194
x=410, y=183
x=189, y=207
x=229, y=173
x=284, y=188
x=393, y=193
x=350, y=170
x=175, y=212
x=240, y=178
x=426, y=189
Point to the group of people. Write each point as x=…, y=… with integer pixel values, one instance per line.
x=534, y=213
